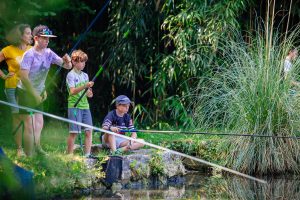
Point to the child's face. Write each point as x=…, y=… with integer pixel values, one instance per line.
x=123, y=108
x=78, y=64
x=41, y=41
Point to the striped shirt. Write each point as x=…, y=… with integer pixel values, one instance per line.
x=123, y=123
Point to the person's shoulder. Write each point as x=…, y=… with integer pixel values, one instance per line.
x=110, y=115
x=29, y=52
x=28, y=47
x=48, y=51
x=127, y=116
x=9, y=48
x=85, y=74
x=71, y=73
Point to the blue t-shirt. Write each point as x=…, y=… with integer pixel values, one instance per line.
x=112, y=119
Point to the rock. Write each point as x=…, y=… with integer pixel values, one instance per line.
x=136, y=166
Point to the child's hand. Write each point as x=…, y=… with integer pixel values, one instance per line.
x=67, y=61
x=114, y=129
x=89, y=84
x=89, y=93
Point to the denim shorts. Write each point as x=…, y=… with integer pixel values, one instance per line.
x=12, y=98
x=79, y=115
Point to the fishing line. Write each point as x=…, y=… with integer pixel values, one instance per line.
x=207, y=133
x=78, y=42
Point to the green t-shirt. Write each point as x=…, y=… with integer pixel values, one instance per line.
x=75, y=79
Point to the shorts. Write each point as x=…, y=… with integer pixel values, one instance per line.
x=26, y=99
x=119, y=140
x=12, y=98
x=79, y=115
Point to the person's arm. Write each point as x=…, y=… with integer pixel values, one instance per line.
x=74, y=91
x=2, y=74
x=107, y=123
x=28, y=86
x=89, y=93
x=66, y=62
x=131, y=127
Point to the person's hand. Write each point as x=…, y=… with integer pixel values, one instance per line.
x=10, y=74
x=133, y=136
x=89, y=84
x=89, y=93
x=37, y=100
x=44, y=96
x=114, y=129
x=67, y=61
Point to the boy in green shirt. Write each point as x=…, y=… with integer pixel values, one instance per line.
x=77, y=81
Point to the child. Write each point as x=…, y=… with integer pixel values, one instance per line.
x=35, y=65
x=115, y=121
x=20, y=39
x=77, y=81
x=292, y=55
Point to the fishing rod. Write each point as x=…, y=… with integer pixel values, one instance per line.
x=78, y=42
x=136, y=140
x=207, y=133
x=101, y=67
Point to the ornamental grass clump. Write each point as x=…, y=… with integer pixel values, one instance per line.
x=249, y=94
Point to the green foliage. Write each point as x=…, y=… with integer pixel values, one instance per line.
x=207, y=149
x=192, y=30
x=56, y=173
x=249, y=95
x=156, y=165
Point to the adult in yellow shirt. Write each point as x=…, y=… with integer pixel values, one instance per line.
x=20, y=38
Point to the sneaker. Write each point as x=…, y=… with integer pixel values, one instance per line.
x=117, y=152
x=90, y=156
x=20, y=152
x=40, y=151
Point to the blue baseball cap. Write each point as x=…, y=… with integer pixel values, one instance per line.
x=122, y=99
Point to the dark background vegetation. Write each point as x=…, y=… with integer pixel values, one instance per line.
x=171, y=44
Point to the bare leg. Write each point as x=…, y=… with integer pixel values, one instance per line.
x=71, y=141
x=18, y=134
x=134, y=146
x=39, y=123
x=28, y=134
x=137, y=145
x=88, y=142
x=111, y=141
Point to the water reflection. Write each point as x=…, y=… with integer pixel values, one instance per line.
x=202, y=186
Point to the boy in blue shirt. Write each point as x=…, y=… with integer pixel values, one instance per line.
x=77, y=81
x=115, y=121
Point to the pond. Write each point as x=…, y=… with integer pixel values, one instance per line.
x=203, y=186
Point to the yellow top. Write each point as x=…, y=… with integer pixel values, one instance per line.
x=13, y=56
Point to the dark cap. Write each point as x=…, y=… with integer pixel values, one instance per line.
x=122, y=99
x=43, y=31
